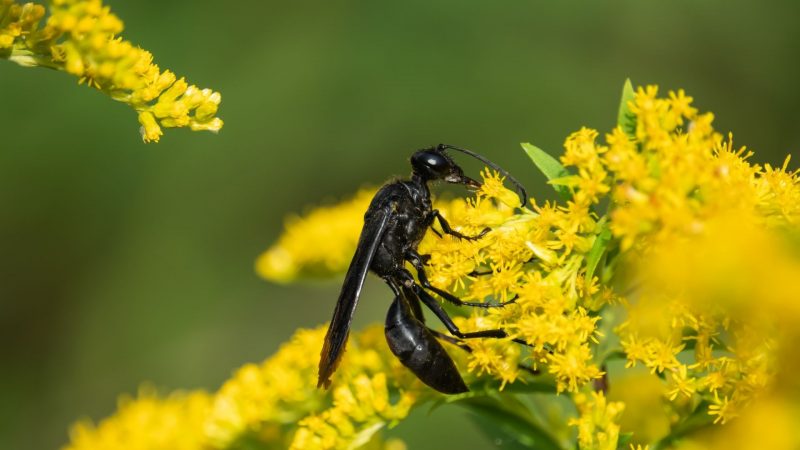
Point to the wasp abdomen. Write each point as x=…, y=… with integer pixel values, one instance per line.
x=419, y=350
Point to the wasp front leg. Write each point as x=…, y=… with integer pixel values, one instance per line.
x=449, y=230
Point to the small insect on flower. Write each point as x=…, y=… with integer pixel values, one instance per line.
x=394, y=224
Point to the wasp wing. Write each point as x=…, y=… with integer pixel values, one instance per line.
x=339, y=329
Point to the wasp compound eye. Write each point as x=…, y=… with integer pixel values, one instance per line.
x=432, y=165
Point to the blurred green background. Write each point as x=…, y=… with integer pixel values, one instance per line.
x=124, y=262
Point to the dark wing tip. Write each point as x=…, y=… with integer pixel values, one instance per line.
x=327, y=365
x=323, y=383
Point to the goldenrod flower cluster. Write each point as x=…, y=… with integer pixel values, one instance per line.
x=148, y=422
x=596, y=423
x=318, y=244
x=81, y=37
x=282, y=394
x=534, y=256
x=271, y=405
x=667, y=267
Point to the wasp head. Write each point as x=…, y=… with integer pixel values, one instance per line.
x=434, y=163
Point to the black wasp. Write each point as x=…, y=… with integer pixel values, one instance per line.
x=394, y=224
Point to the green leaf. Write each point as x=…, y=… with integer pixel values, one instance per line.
x=568, y=181
x=697, y=420
x=550, y=167
x=499, y=437
x=598, y=249
x=554, y=412
x=508, y=421
x=625, y=117
x=624, y=440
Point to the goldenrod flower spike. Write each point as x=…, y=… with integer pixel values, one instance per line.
x=597, y=424
x=671, y=251
x=275, y=404
x=81, y=37
x=321, y=243
x=149, y=421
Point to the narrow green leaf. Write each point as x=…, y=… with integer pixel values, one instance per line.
x=543, y=383
x=567, y=181
x=550, y=167
x=547, y=386
x=509, y=421
x=598, y=248
x=625, y=118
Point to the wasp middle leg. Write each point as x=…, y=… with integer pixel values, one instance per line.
x=416, y=260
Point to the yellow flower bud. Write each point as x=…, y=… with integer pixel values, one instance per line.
x=150, y=129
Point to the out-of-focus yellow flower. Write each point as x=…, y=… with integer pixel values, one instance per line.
x=272, y=405
x=81, y=37
x=148, y=422
x=769, y=423
x=282, y=392
x=320, y=243
x=645, y=414
x=16, y=22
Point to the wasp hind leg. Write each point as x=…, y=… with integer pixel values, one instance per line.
x=463, y=346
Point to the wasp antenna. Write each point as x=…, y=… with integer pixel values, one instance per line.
x=520, y=189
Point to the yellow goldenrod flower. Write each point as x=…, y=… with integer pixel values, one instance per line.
x=690, y=271
x=680, y=383
x=493, y=188
x=148, y=422
x=272, y=405
x=573, y=367
x=597, y=422
x=319, y=244
x=81, y=37
x=723, y=409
